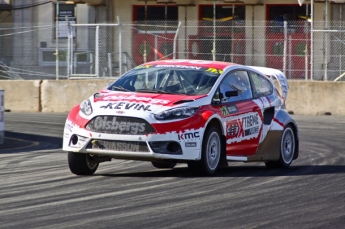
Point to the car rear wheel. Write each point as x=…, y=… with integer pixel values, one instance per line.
x=287, y=150
x=210, y=155
x=163, y=165
x=82, y=164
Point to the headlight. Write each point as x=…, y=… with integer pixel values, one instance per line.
x=86, y=107
x=176, y=113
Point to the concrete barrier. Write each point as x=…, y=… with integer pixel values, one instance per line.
x=316, y=98
x=62, y=95
x=2, y=121
x=22, y=95
x=305, y=97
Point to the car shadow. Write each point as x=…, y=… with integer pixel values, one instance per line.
x=238, y=171
x=15, y=142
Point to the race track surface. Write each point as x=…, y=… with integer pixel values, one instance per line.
x=38, y=191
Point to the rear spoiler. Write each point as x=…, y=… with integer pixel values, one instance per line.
x=278, y=75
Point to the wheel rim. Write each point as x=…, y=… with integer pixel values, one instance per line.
x=90, y=162
x=288, y=145
x=213, y=151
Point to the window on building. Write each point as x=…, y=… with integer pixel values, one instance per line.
x=229, y=18
x=230, y=21
x=295, y=15
x=288, y=12
x=66, y=12
x=223, y=12
x=155, y=15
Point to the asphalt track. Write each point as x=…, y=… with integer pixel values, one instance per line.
x=37, y=189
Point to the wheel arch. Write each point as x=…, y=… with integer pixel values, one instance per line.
x=295, y=130
x=285, y=118
x=218, y=124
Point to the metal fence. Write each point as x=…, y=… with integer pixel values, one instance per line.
x=107, y=50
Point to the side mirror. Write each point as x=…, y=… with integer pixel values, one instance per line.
x=231, y=93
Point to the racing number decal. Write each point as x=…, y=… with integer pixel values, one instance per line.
x=214, y=70
x=143, y=66
x=243, y=127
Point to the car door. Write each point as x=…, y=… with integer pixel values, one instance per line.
x=241, y=117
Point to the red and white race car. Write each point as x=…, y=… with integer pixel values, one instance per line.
x=203, y=113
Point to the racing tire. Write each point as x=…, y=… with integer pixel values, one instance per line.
x=163, y=165
x=210, y=154
x=81, y=163
x=287, y=149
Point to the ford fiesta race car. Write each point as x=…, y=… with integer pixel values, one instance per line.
x=203, y=113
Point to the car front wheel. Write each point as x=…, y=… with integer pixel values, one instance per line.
x=82, y=164
x=211, y=152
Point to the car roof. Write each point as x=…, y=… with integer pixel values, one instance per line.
x=197, y=63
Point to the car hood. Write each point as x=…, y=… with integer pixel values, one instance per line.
x=137, y=104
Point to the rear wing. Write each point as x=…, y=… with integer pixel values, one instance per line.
x=278, y=75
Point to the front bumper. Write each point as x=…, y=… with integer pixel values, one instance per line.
x=133, y=147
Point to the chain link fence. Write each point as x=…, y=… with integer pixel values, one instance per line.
x=329, y=51
x=107, y=50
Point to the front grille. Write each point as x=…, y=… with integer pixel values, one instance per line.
x=119, y=145
x=120, y=125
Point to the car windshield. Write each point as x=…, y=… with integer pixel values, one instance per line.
x=172, y=80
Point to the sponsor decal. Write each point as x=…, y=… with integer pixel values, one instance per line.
x=104, y=124
x=232, y=129
x=214, y=70
x=178, y=66
x=228, y=110
x=135, y=98
x=69, y=127
x=127, y=106
x=190, y=144
x=116, y=145
x=143, y=66
x=188, y=61
x=224, y=111
x=232, y=109
x=188, y=135
x=244, y=127
x=66, y=135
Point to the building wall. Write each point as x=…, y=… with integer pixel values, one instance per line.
x=28, y=53
x=6, y=42
x=255, y=15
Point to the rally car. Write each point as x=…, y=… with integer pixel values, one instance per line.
x=202, y=113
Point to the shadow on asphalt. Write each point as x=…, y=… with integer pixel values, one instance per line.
x=240, y=171
x=20, y=142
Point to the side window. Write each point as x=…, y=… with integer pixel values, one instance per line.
x=236, y=81
x=262, y=86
